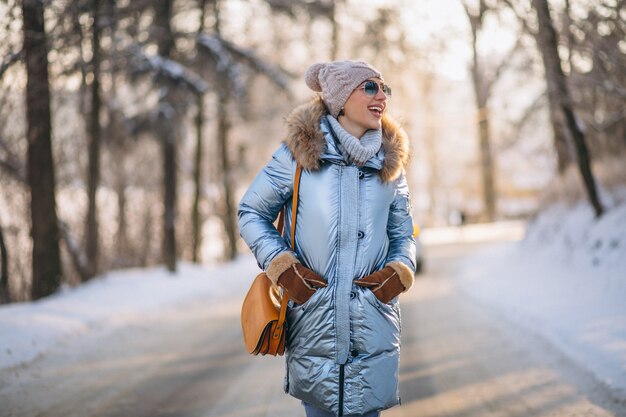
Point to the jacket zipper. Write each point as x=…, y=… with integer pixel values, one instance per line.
x=341, y=390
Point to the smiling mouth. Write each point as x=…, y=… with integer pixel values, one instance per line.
x=376, y=110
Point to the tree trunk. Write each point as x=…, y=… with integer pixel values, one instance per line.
x=197, y=178
x=223, y=127
x=196, y=221
x=4, y=270
x=486, y=163
x=78, y=28
x=169, y=169
x=122, y=225
x=167, y=125
x=93, y=177
x=563, y=154
x=118, y=144
x=484, y=136
x=430, y=145
x=334, y=44
x=548, y=45
x=46, y=261
x=148, y=235
x=228, y=216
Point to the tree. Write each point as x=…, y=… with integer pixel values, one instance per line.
x=167, y=130
x=4, y=270
x=196, y=238
x=312, y=9
x=597, y=77
x=482, y=88
x=559, y=140
x=226, y=64
x=484, y=78
x=93, y=175
x=46, y=262
x=430, y=143
x=548, y=45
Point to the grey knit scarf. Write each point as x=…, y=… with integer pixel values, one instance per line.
x=356, y=150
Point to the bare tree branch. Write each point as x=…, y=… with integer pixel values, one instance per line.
x=505, y=63
x=9, y=60
x=167, y=68
x=517, y=125
x=311, y=8
x=520, y=17
x=534, y=107
x=11, y=164
x=139, y=123
x=13, y=170
x=603, y=84
x=613, y=119
x=277, y=75
x=79, y=258
x=225, y=65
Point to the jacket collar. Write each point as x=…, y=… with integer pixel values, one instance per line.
x=307, y=141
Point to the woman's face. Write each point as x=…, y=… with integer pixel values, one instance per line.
x=362, y=112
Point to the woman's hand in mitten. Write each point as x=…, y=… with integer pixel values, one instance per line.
x=389, y=282
x=298, y=281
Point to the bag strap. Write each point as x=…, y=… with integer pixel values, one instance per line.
x=294, y=205
x=294, y=211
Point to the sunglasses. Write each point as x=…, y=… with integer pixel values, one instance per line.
x=371, y=88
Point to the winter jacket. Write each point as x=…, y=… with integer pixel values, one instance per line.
x=342, y=344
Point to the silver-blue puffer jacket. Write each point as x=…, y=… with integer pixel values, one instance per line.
x=343, y=344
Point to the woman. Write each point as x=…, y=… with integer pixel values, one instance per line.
x=354, y=250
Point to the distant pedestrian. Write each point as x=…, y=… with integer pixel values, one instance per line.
x=354, y=251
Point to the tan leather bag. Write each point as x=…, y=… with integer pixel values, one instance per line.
x=265, y=306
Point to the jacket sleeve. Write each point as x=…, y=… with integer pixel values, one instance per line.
x=400, y=227
x=260, y=206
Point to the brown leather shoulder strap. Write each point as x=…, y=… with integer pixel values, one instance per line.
x=294, y=205
x=294, y=214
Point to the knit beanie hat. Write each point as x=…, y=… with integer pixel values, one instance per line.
x=337, y=80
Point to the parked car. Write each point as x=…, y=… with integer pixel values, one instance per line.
x=419, y=250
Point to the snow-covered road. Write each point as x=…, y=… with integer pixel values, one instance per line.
x=460, y=357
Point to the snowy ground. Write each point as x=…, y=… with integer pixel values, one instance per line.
x=28, y=330
x=566, y=281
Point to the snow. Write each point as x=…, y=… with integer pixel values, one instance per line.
x=168, y=68
x=565, y=280
x=28, y=330
x=473, y=233
x=224, y=63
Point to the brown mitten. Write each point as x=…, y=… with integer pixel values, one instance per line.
x=299, y=282
x=389, y=282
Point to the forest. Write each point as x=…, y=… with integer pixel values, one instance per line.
x=130, y=129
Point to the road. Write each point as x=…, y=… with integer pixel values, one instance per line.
x=458, y=359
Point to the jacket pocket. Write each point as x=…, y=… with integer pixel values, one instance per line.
x=308, y=303
x=390, y=312
x=302, y=318
x=392, y=306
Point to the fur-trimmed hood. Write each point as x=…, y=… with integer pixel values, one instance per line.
x=306, y=140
